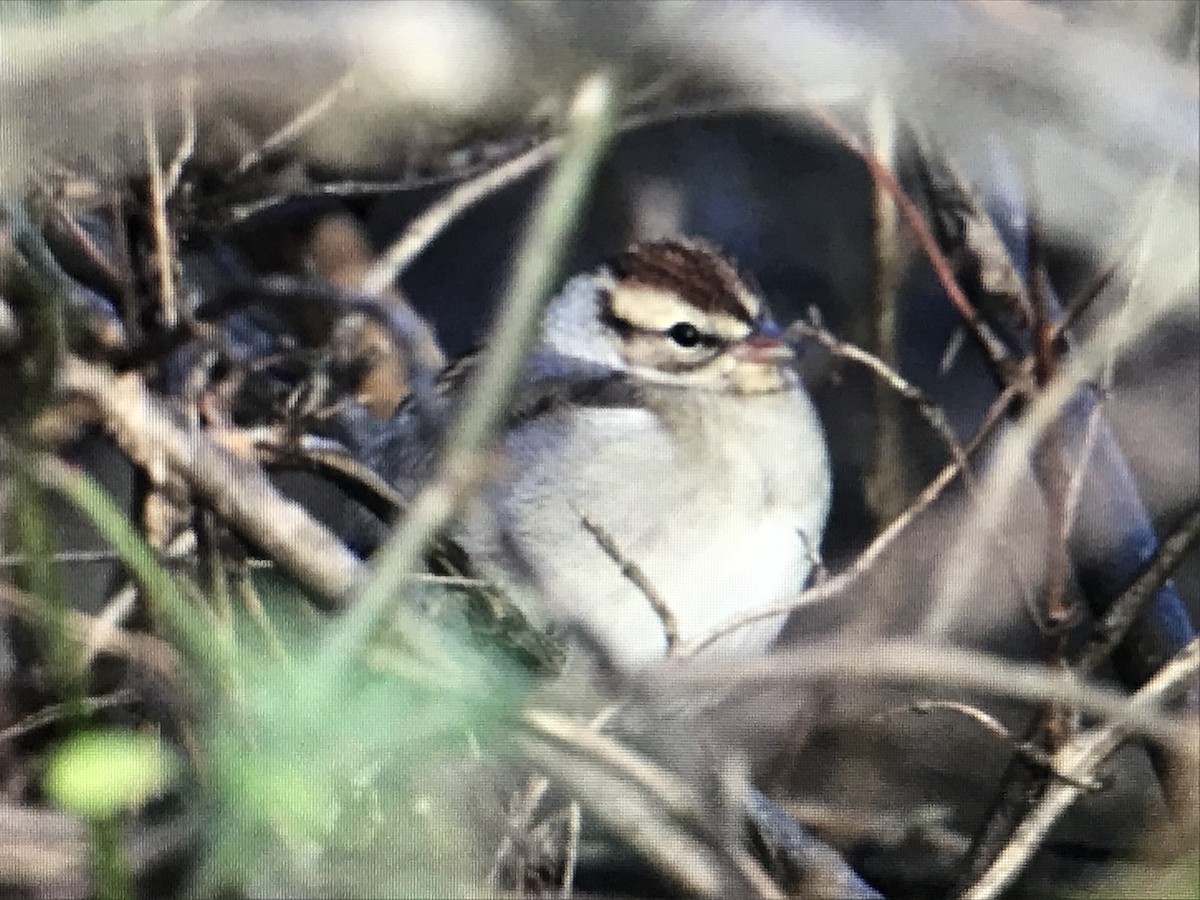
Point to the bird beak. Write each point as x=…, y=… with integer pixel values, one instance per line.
x=764, y=350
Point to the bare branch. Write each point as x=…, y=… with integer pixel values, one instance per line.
x=1079, y=761
x=921, y=662
x=933, y=414
x=631, y=572
x=422, y=230
x=163, y=247
x=187, y=143
x=997, y=353
x=1126, y=609
x=295, y=126
x=237, y=489
x=657, y=812
x=155, y=654
x=1027, y=750
x=55, y=712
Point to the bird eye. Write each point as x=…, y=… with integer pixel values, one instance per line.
x=684, y=334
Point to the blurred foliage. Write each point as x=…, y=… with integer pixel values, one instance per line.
x=103, y=773
x=353, y=788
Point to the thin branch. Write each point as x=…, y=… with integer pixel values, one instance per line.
x=535, y=790
x=346, y=189
x=426, y=227
x=144, y=649
x=924, y=662
x=997, y=353
x=355, y=189
x=187, y=143
x=296, y=126
x=56, y=712
x=422, y=230
x=114, y=613
x=656, y=831
x=236, y=489
x=1127, y=608
x=163, y=249
x=929, y=410
x=1079, y=761
x=1074, y=308
x=638, y=579
x=325, y=455
x=1027, y=750
x=63, y=557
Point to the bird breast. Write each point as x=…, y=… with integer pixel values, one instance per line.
x=719, y=500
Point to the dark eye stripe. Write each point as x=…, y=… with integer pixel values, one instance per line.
x=610, y=319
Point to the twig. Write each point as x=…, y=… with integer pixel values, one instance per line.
x=349, y=188
x=296, y=125
x=656, y=833
x=487, y=396
x=57, y=711
x=64, y=557
x=325, y=455
x=422, y=230
x=1079, y=760
x=115, y=612
x=519, y=818
x=933, y=414
x=924, y=662
x=155, y=654
x=638, y=579
x=1126, y=609
x=1027, y=750
x=994, y=348
x=238, y=490
x=1050, y=465
x=158, y=201
x=1074, y=308
x=187, y=143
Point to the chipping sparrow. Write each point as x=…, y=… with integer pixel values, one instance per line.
x=661, y=406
